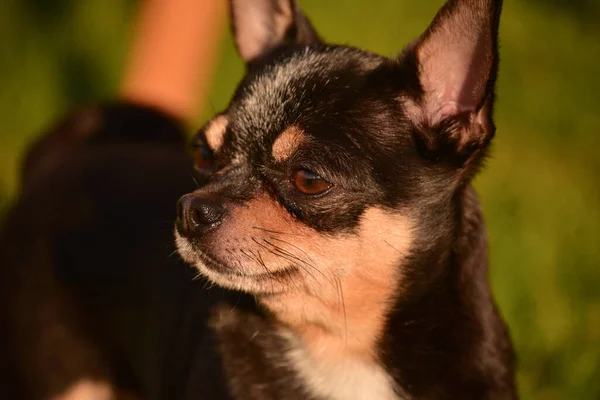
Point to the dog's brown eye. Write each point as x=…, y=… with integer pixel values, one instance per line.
x=309, y=183
x=203, y=158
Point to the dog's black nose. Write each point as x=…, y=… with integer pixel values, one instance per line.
x=198, y=213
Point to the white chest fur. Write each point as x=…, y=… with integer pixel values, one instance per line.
x=347, y=379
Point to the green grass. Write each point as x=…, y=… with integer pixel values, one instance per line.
x=540, y=190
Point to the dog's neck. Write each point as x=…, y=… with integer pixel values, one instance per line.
x=332, y=331
x=332, y=345
x=438, y=320
x=452, y=330
x=337, y=327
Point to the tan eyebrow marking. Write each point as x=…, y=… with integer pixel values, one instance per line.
x=287, y=142
x=215, y=132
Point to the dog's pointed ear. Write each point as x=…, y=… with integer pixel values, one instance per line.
x=260, y=26
x=457, y=62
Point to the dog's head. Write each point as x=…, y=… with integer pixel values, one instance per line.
x=331, y=166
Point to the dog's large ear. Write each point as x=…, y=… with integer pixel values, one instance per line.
x=260, y=26
x=457, y=61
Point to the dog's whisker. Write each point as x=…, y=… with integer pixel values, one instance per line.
x=290, y=254
x=254, y=258
x=295, y=247
x=249, y=254
x=389, y=244
x=276, y=232
x=262, y=263
x=283, y=255
x=308, y=264
x=341, y=294
x=294, y=259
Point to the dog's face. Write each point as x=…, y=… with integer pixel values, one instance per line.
x=332, y=166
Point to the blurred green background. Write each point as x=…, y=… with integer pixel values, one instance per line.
x=540, y=190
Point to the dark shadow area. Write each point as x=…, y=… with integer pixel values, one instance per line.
x=47, y=12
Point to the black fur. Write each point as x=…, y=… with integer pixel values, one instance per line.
x=444, y=338
x=85, y=248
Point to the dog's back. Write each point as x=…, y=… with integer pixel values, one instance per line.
x=89, y=289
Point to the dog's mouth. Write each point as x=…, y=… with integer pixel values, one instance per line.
x=235, y=275
x=221, y=268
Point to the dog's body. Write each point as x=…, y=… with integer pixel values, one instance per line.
x=338, y=223
x=339, y=200
x=90, y=300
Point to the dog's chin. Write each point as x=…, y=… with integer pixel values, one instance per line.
x=267, y=283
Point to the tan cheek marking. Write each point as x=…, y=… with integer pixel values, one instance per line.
x=362, y=271
x=216, y=132
x=346, y=285
x=384, y=242
x=368, y=267
x=287, y=142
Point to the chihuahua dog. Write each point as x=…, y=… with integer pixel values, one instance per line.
x=340, y=216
